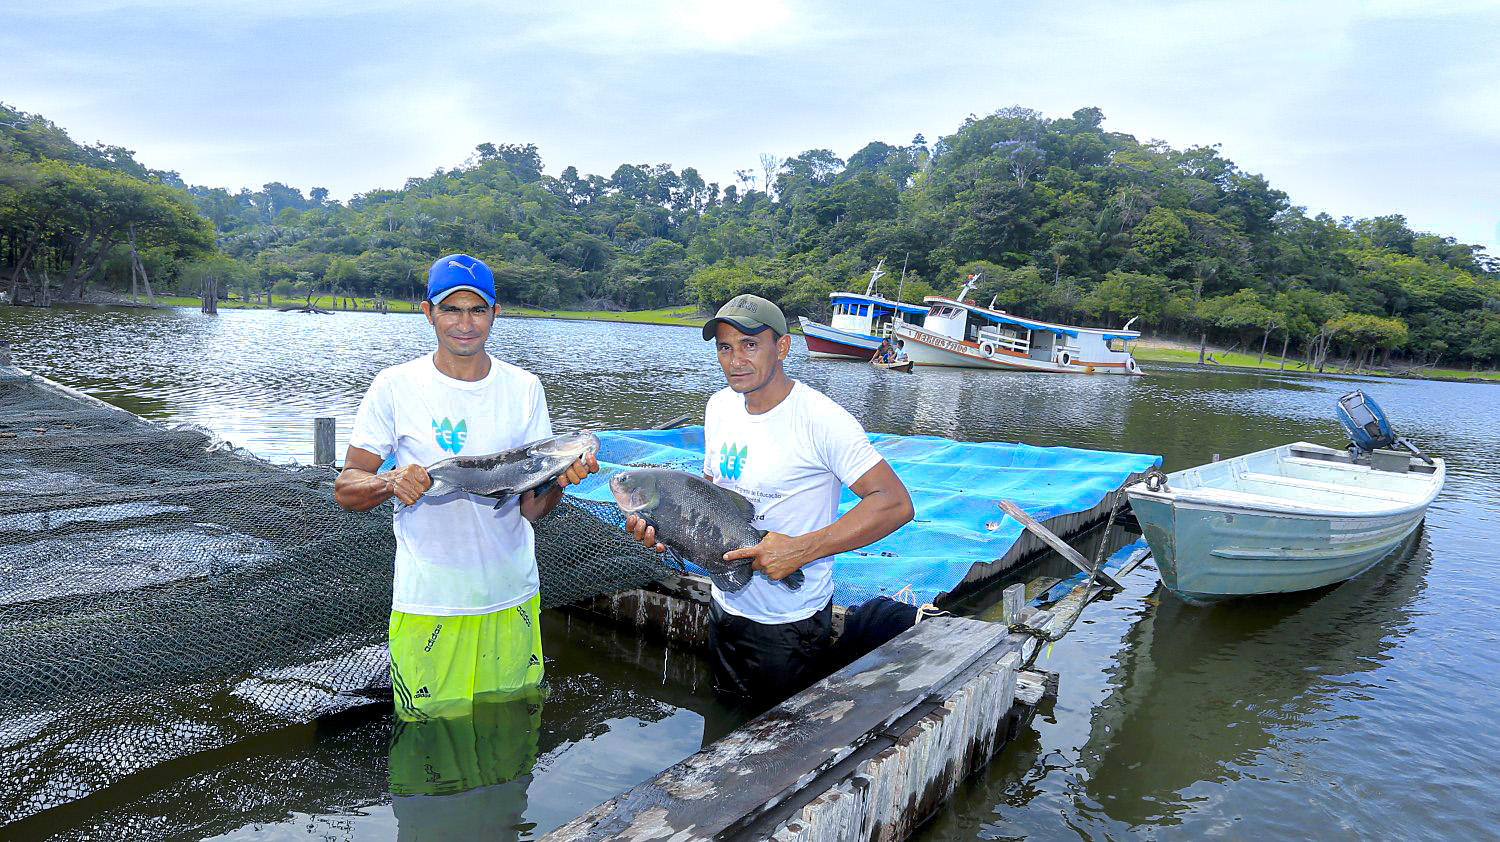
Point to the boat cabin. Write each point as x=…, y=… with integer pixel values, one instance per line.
x=871, y=315
x=996, y=332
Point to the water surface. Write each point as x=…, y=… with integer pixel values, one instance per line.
x=1359, y=711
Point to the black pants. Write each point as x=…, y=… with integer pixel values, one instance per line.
x=765, y=664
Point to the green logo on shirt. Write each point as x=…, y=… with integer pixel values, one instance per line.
x=732, y=460
x=450, y=436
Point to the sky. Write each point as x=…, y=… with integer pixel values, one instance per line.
x=1354, y=108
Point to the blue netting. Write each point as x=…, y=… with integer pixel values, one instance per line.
x=955, y=486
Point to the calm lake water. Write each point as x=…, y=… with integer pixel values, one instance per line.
x=1362, y=711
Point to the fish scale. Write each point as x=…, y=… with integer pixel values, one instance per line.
x=698, y=520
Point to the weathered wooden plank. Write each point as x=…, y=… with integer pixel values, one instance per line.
x=1056, y=543
x=892, y=791
x=775, y=754
x=1030, y=686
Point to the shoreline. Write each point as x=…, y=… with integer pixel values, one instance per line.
x=1154, y=349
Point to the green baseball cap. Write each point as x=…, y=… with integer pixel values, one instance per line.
x=749, y=314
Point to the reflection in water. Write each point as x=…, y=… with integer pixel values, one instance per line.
x=465, y=777
x=1255, y=672
x=1337, y=714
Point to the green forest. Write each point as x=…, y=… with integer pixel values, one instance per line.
x=1066, y=221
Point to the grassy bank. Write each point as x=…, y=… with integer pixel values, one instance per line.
x=366, y=305
x=680, y=316
x=1147, y=351
x=684, y=316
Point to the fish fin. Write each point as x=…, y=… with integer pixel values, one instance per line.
x=746, y=507
x=795, y=580
x=544, y=487
x=499, y=501
x=733, y=579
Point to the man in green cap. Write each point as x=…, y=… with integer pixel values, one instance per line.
x=791, y=451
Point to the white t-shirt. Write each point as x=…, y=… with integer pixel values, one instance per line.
x=792, y=463
x=455, y=554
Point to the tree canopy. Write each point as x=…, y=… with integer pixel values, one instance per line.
x=1065, y=219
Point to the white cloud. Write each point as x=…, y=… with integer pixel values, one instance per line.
x=1328, y=100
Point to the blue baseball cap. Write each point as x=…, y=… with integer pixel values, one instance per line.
x=460, y=271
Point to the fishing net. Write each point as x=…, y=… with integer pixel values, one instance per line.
x=163, y=594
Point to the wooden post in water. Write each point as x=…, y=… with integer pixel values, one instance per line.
x=323, y=429
x=1013, y=602
x=210, y=294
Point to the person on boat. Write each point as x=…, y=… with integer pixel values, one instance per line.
x=791, y=451
x=465, y=601
x=885, y=351
x=900, y=350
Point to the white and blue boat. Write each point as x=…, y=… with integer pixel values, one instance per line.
x=859, y=323
x=1291, y=518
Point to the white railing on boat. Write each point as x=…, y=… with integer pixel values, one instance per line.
x=1001, y=341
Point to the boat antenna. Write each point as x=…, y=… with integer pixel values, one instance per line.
x=874, y=275
x=1129, y=323
x=902, y=285
x=969, y=283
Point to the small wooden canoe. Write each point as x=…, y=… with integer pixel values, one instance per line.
x=898, y=365
x=1290, y=518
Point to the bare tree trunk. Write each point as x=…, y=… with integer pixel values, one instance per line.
x=137, y=265
x=1265, y=336
x=15, y=278
x=1285, y=340
x=210, y=293
x=1202, y=347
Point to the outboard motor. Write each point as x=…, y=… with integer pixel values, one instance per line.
x=1368, y=429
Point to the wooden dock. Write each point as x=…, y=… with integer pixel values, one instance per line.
x=869, y=753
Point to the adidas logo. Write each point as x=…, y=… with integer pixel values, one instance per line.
x=422, y=693
x=534, y=661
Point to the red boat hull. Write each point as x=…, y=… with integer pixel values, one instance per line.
x=838, y=349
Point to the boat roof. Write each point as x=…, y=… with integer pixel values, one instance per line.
x=877, y=301
x=1002, y=317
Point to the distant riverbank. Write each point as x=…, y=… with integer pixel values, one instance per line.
x=1145, y=349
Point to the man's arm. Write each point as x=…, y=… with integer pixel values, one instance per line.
x=884, y=506
x=359, y=488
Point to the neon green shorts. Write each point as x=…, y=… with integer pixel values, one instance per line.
x=440, y=664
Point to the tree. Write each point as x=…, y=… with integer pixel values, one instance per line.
x=1123, y=295
x=1365, y=334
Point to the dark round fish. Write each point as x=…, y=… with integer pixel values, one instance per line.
x=700, y=521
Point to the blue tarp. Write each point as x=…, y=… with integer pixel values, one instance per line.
x=956, y=488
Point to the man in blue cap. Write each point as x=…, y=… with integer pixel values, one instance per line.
x=465, y=602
